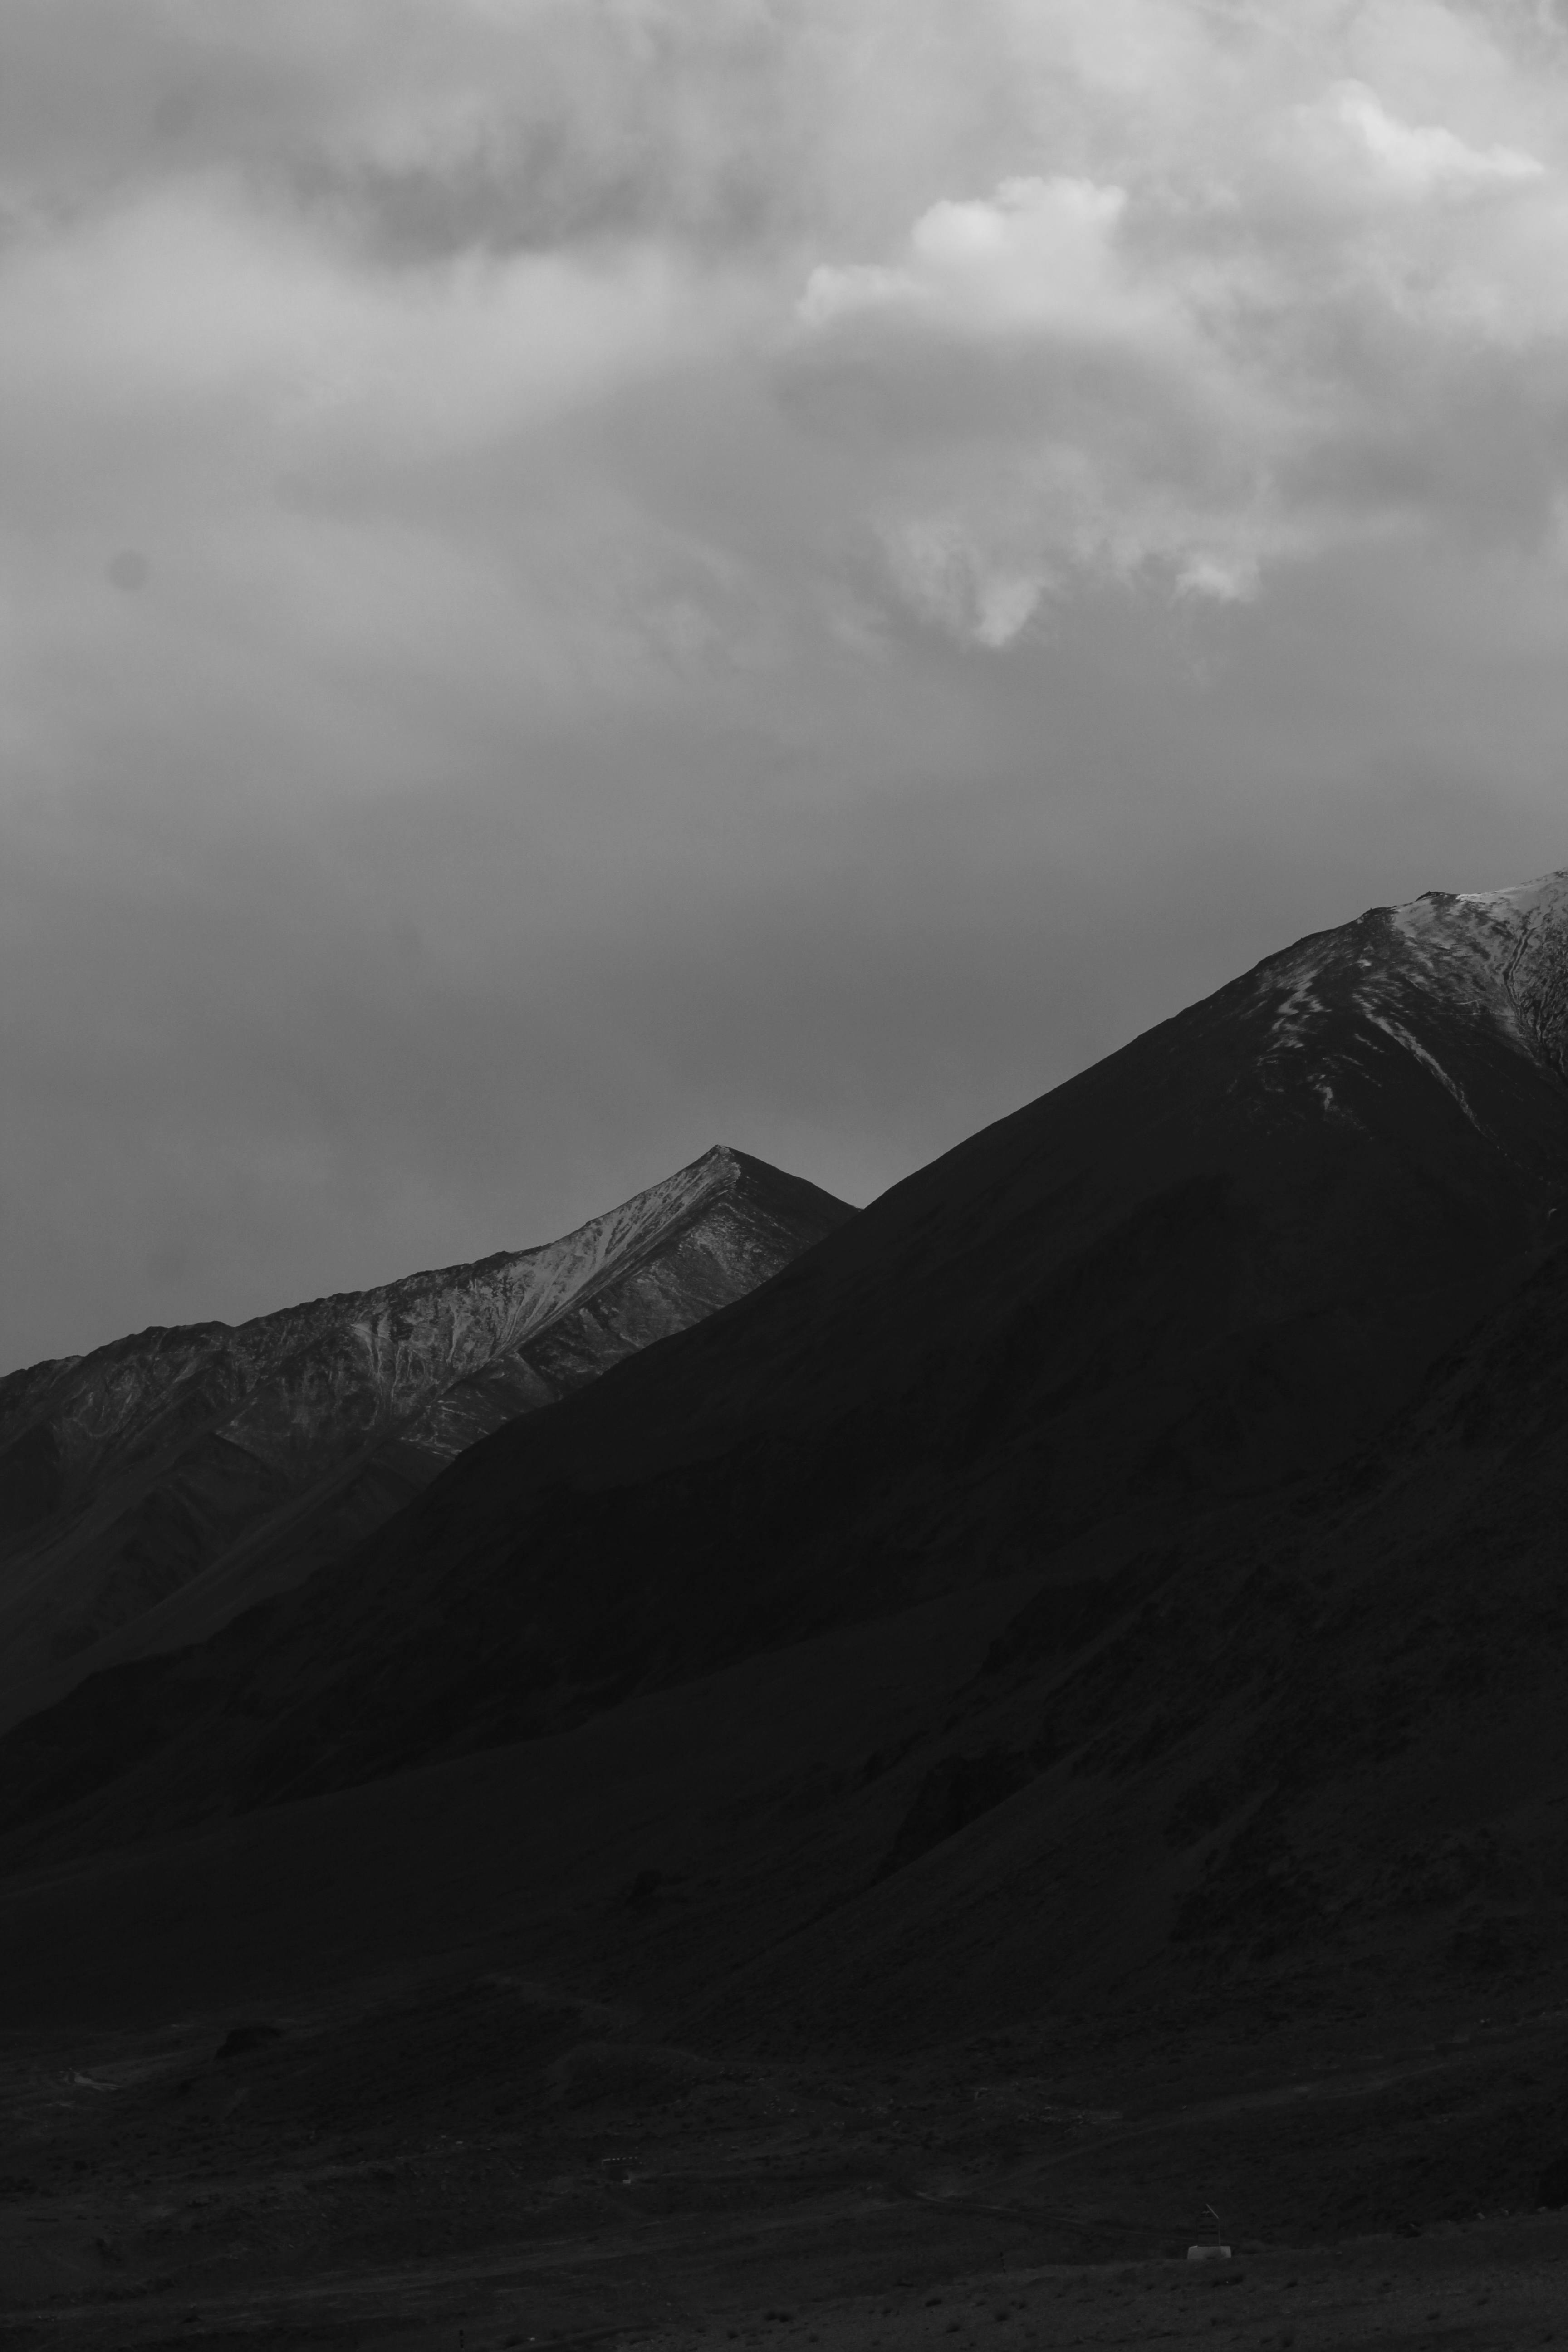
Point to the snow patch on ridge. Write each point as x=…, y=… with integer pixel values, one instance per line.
x=1428, y=1060
x=1292, y=1020
x=1493, y=959
x=1502, y=952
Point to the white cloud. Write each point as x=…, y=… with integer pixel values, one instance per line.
x=1038, y=254
x=960, y=584
x=1165, y=368
x=1419, y=160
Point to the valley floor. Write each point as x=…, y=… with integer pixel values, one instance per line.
x=447, y=2165
x=1478, y=2288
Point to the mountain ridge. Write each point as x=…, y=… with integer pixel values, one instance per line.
x=1208, y=1266
x=1046, y=1712
x=219, y=1462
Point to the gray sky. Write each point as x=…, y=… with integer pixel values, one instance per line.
x=583, y=578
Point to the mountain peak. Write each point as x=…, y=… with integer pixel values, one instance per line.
x=1428, y=978
x=151, y=1488
x=1097, y=1621
x=1507, y=948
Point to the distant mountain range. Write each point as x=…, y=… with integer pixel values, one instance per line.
x=1126, y=1553
x=151, y=1488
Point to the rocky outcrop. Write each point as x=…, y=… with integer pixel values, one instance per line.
x=151, y=1488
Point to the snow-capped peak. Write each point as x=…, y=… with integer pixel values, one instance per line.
x=1498, y=959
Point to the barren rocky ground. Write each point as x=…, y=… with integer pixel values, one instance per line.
x=449, y=2162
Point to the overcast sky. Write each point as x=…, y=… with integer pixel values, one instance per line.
x=584, y=578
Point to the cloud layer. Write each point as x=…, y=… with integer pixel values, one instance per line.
x=582, y=576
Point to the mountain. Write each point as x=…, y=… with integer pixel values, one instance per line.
x=1208, y=1267
x=151, y=1488
x=1043, y=1716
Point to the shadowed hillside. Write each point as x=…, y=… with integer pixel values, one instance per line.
x=1205, y=1269
x=1043, y=1716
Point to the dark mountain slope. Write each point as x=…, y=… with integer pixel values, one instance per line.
x=1318, y=1746
x=1119, y=1321
x=150, y=1490
x=1266, y=1872
x=1326, y=1740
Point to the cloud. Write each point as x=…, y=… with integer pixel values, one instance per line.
x=1421, y=160
x=355, y=245
x=1020, y=346
x=513, y=509
x=1179, y=375
x=1037, y=256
